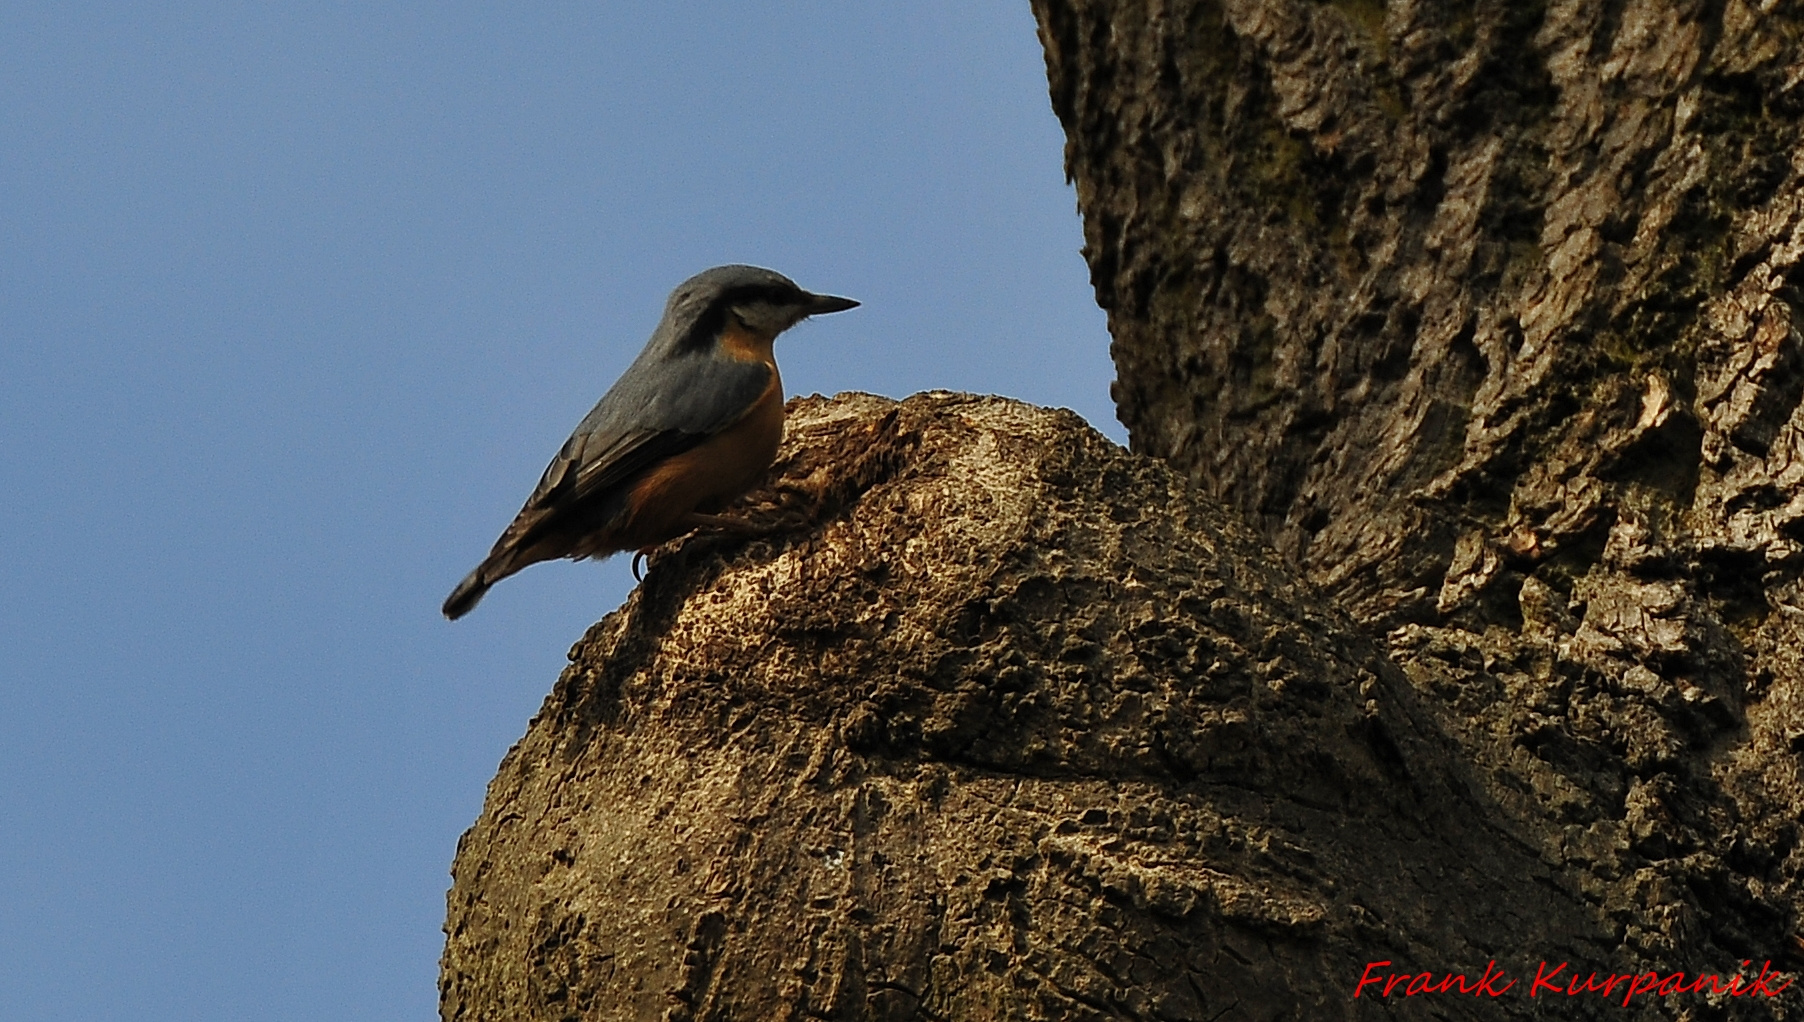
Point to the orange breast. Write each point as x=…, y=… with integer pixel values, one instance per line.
x=706, y=477
x=738, y=342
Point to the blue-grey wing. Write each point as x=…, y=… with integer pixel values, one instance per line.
x=663, y=405
x=656, y=410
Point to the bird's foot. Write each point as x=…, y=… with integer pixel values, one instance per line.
x=765, y=523
x=697, y=520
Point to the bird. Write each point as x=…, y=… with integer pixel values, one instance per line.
x=691, y=425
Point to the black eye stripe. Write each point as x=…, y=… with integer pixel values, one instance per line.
x=712, y=317
x=775, y=294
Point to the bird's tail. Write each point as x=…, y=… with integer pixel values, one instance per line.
x=468, y=592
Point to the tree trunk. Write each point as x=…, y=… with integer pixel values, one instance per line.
x=1010, y=726
x=1486, y=313
x=1483, y=315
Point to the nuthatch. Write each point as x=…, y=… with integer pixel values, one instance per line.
x=691, y=425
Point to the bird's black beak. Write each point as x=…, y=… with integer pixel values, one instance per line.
x=820, y=304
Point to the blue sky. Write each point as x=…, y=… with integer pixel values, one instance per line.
x=295, y=303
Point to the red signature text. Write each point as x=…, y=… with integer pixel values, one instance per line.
x=1556, y=981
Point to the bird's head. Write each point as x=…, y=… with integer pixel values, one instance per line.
x=762, y=302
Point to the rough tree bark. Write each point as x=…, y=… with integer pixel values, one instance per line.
x=1482, y=315
x=1010, y=726
x=1487, y=313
